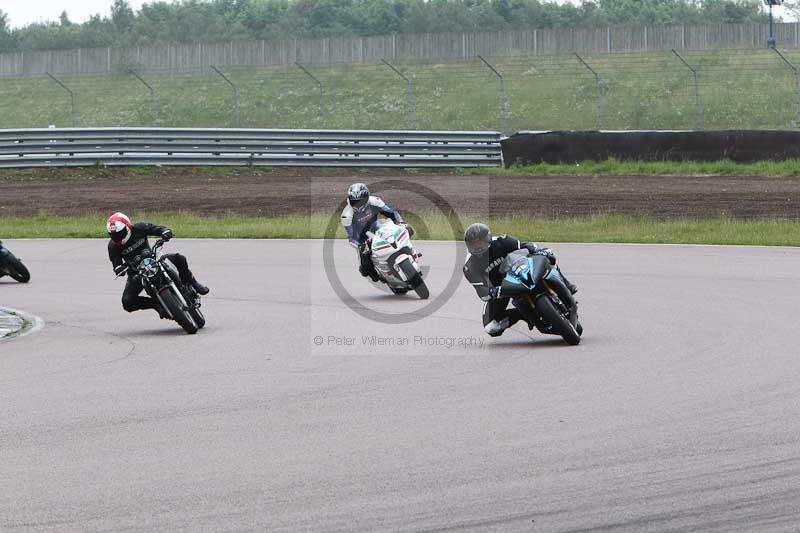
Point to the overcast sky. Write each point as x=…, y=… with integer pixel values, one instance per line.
x=22, y=12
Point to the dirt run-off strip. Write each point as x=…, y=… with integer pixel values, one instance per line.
x=290, y=192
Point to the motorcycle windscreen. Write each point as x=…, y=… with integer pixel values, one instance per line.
x=523, y=275
x=518, y=257
x=540, y=265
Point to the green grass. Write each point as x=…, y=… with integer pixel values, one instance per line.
x=184, y=225
x=614, y=229
x=651, y=90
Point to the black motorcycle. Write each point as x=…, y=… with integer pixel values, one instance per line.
x=537, y=290
x=11, y=265
x=177, y=301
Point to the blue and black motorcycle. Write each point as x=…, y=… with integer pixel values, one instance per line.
x=537, y=290
x=11, y=265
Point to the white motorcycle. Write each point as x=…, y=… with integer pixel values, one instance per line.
x=395, y=258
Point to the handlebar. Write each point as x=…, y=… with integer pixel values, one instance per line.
x=158, y=244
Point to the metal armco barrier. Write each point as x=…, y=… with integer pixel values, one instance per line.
x=79, y=147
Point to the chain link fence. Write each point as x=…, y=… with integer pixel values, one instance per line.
x=727, y=89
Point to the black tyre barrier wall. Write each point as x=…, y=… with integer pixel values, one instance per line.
x=576, y=146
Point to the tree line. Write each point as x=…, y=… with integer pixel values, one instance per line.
x=186, y=21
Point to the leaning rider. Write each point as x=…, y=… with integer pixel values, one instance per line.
x=359, y=216
x=129, y=240
x=482, y=270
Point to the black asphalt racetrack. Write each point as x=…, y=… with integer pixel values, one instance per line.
x=679, y=411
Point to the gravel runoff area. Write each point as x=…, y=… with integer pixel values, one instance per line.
x=281, y=192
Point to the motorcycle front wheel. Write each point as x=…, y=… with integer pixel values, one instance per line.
x=560, y=323
x=177, y=311
x=19, y=272
x=198, y=318
x=415, y=279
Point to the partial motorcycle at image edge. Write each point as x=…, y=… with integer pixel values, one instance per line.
x=11, y=265
x=538, y=292
x=395, y=258
x=161, y=281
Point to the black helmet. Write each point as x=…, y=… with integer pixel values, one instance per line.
x=478, y=238
x=358, y=195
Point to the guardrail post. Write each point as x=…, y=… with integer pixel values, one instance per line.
x=235, y=93
x=409, y=94
x=71, y=96
x=698, y=110
x=153, y=99
x=503, y=98
x=796, y=81
x=597, y=95
x=321, y=93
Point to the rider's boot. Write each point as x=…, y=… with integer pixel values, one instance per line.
x=571, y=286
x=201, y=289
x=373, y=275
x=368, y=271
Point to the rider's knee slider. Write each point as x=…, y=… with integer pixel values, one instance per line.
x=495, y=328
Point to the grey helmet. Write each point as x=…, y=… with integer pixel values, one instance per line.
x=478, y=238
x=358, y=195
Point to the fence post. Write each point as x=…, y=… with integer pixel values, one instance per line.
x=503, y=98
x=597, y=95
x=698, y=110
x=153, y=100
x=321, y=93
x=409, y=93
x=796, y=81
x=235, y=93
x=71, y=96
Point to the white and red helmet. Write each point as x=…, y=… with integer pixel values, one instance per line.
x=119, y=228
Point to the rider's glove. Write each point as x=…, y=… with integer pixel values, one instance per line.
x=494, y=293
x=548, y=253
x=166, y=234
x=363, y=248
x=119, y=269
